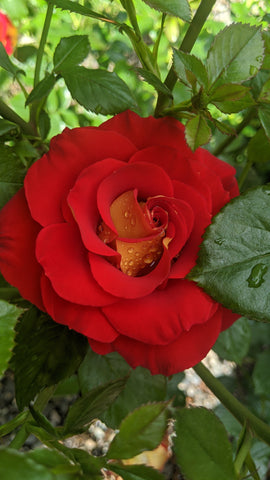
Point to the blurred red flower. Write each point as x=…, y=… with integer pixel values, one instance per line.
x=8, y=33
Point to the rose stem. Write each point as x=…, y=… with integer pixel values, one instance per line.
x=9, y=114
x=40, y=403
x=239, y=411
x=189, y=40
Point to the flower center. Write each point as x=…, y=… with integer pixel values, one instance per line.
x=140, y=234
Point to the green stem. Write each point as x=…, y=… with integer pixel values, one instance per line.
x=43, y=40
x=243, y=450
x=9, y=114
x=187, y=44
x=228, y=140
x=239, y=411
x=244, y=173
x=40, y=403
x=130, y=9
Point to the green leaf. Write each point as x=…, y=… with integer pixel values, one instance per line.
x=229, y=93
x=234, y=106
x=7, y=64
x=236, y=54
x=92, y=404
x=8, y=318
x=201, y=446
x=42, y=89
x=234, y=258
x=143, y=429
x=99, y=91
x=193, y=64
x=264, y=116
x=265, y=93
x=70, y=51
x=233, y=343
x=260, y=374
x=197, y=132
x=15, y=464
x=7, y=127
x=259, y=148
x=12, y=173
x=89, y=464
x=152, y=389
x=136, y=472
x=172, y=7
x=44, y=354
x=54, y=461
x=154, y=81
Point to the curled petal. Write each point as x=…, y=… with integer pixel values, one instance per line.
x=49, y=179
x=83, y=203
x=64, y=259
x=89, y=321
x=117, y=283
x=149, y=180
x=18, y=264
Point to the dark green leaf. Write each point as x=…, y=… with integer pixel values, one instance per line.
x=223, y=127
x=234, y=258
x=53, y=460
x=197, y=132
x=12, y=173
x=136, y=472
x=233, y=343
x=14, y=465
x=43, y=422
x=98, y=90
x=42, y=89
x=90, y=465
x=172, y=7
x=152, y=389
x=70, y=51
x=259, y=148
x=235, y=106
x=7, y=127
x=201, y=445
x=44, y=354
x=265, y=93
x=143, y=429
x=97, y=369
x=154, y=81
x=229, y=93
x=264, y=116
x=236, y=54
x=44, y=124
x=7, y=64
x=8, y=317
x=192, y=64
x=173, y=390
x=260, y=374
x=92, y=404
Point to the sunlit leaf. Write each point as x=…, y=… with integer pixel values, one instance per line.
x=197, y=132
x=172, y=7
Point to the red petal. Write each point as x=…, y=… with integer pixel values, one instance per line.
x=83, y=202
x=202, y=219
x=89, y=321
x=145, y=132
x=223, y=170
x=124, y=286
x=148, y=179
x=185, y=352
x=228, y=317
x=50, y=178
x=61, y=253
x=159, y=318
x=18, y=264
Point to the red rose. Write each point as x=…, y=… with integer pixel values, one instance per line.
x=106, y=228
x=8, y=33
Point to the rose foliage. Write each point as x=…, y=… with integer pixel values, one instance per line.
x=105, y=230
x=8, y=33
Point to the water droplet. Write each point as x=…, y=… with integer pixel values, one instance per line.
x=130, y=250
x=129, y=273
x=131, y=263
x=133, y=221
x=148, y=258
x=255, y=278
x=219, y=241
x=126, y=214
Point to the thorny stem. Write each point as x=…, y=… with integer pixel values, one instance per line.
x=189, y=40
x=239, y=411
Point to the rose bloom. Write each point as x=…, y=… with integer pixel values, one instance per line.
x=8, y=33
x=105, y=230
